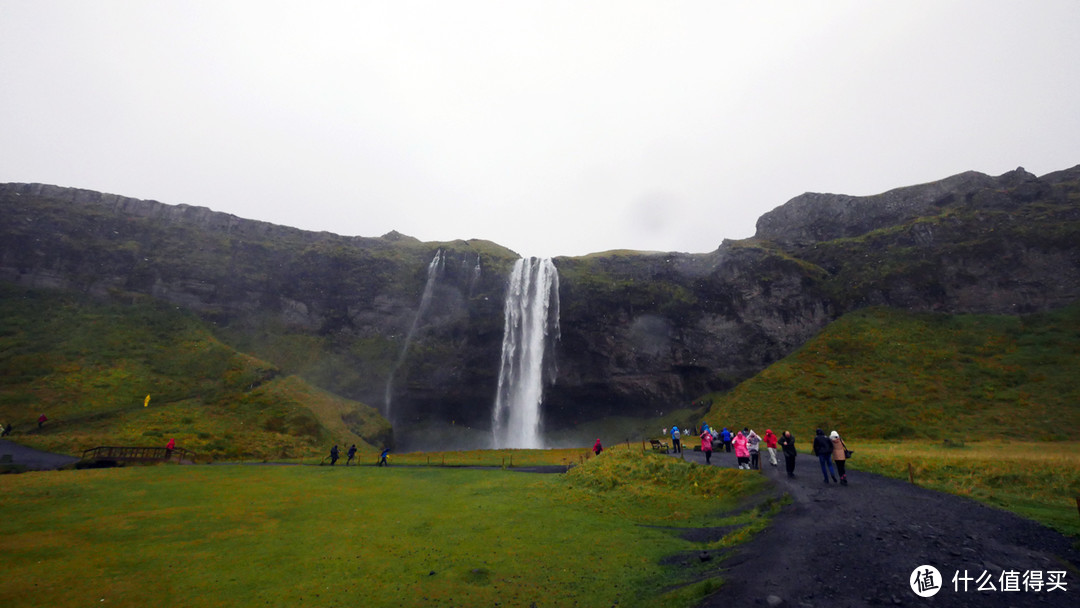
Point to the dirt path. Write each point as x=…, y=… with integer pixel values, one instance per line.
x=33, y=459
x=858, y=545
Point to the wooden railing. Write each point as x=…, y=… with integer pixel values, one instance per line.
x=143, y=454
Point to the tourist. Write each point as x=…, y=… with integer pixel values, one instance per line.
x=787, y=444
x=770, y=444
x=169, y=447
x=823, y=450
x=753, y=443
x=41, y=420
x=742, y=454
x=725, y=436
x=382, y=457
x=7, y=430
x=839, y=456
x=351, y=453
x=706, y=446
x=676, y=445
x=597, y=448
x=333, y=455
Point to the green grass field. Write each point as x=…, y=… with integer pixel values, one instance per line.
x=253, y=535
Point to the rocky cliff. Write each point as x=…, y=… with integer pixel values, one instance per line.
x=641, y=333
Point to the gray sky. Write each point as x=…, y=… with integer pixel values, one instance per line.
x=553, y=128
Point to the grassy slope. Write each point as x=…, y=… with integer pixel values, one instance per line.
x=886, y=374
x=987, y=406
x=89, y=366
x=291, y=536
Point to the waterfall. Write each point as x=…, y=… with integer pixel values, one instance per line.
x=434, y=270
x=530, y=317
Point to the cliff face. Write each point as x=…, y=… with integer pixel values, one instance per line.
x=641, y=333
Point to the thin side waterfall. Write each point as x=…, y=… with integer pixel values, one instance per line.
x=530, y=318
x=434, y=270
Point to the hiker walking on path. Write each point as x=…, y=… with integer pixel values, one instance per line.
x=169, y=447
x=676, y=445
x=41, y=420
x=753, y=443
x=839, y=456
x=742, y=453
x=787, y=444
x=770, y=444
x=382, y=458
x=7, y=430
x=333, y=455
x=597, y=448
x=706, y=445
x=823, y=449
x=725, y=436
x=351, y=453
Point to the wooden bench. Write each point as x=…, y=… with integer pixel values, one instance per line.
x=659, y=446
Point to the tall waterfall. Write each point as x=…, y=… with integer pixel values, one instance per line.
x=434, y=270
x=531, y=317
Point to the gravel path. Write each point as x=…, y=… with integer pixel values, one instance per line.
x=859, y=545
x=33, y=459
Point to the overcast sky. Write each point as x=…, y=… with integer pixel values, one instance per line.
x=553, y=128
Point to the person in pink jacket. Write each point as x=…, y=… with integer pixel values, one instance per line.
x=742, y=452
x=706, y=445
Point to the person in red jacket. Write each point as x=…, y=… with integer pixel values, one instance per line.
x=597, y=448
x=770, y=442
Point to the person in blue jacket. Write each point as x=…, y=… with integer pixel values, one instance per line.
x=676, y=445
x=725, y=436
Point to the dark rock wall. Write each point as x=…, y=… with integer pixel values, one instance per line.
x=640, y=333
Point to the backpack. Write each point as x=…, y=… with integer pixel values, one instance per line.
x=677, y=435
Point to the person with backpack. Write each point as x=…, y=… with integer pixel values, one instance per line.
x=823, y=449
x=676, y=445
x=725, y=436
x=597, y=448
x=333, y=455
x=382, y=458
x=787, y=444
x=351, y=453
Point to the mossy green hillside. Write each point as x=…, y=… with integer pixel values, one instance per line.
x=882, y=373
x=89, y=366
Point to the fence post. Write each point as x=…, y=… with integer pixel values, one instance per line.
x=910, y=473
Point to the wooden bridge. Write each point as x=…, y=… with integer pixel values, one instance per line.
x=139, y=454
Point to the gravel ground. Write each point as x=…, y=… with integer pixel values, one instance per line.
x=860, y=544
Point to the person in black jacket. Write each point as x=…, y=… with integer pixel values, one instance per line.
x=787, y=444
x=823, y=449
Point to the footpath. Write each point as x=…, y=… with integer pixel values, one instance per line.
x=859, y=545
x=31, y=458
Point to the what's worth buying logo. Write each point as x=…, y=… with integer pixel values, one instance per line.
x=925, y=581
